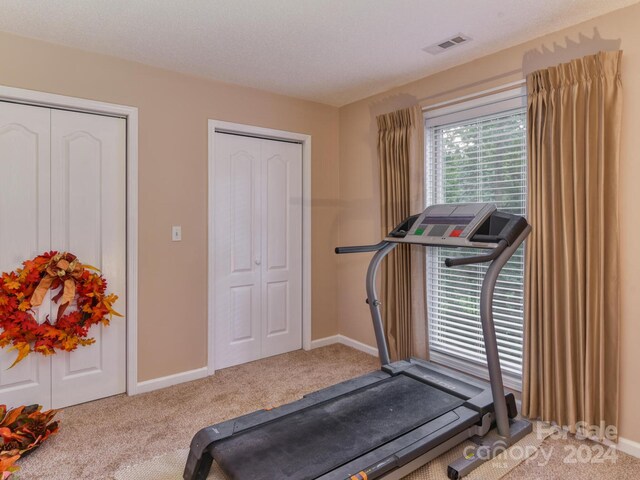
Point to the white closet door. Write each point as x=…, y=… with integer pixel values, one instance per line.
x=281, y=246
x=258, y=248
x=237, y=268
x=24, y=232
x=88, y=217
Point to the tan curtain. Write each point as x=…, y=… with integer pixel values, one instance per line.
x=571, y=369
x=419, y=333
x=394, y=146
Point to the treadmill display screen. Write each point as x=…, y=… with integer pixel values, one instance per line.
x=449, y=224
x=440, y=224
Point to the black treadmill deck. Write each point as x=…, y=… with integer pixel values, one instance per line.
x=311, y=442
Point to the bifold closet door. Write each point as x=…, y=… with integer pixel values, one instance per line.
x=62, y=187
x=257, y=248
x=24, y=232
x=88, y=218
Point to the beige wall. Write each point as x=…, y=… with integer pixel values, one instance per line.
x=359, y=217
x=173, y=113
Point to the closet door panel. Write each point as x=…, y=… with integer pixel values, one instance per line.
x=88, y=219
x=281, y=233
x=237, y=286
x=24, y=233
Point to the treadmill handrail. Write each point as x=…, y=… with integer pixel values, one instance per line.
x=493, y=254
x=362, y=248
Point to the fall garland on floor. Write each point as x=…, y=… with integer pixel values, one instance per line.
x=26, y=288
x=21, y=430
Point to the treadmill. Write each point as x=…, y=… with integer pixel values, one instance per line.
x=387, y=423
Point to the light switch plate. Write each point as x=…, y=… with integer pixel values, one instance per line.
x=176, y=233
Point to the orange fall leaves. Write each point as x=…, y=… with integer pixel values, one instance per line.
x=22, y=429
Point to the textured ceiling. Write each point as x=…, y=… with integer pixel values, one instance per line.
x=330, y=51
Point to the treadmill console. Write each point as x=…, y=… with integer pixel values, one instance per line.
x=453, y=225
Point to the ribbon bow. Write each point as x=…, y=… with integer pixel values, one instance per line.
x=63, y=268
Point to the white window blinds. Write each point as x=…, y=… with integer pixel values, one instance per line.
x=476, y=152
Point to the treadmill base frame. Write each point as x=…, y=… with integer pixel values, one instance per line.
x=487, y=447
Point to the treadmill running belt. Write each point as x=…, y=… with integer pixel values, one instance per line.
x=314, y=441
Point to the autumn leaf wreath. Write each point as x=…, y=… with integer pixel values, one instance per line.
x=26, y=288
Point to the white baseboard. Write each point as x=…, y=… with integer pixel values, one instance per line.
x=363, y=347
x=323, y=342
x=349, y=342
x=629, y=447
x=170, y=380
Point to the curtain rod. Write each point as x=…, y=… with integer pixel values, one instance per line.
x=471, y=96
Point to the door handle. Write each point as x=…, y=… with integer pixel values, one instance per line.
x=258, y=262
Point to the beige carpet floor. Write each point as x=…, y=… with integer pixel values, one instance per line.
x=99, y=438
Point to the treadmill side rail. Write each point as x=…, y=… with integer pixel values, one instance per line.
x=199, y=460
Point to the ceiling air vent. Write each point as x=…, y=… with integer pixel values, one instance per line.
x=447, y=44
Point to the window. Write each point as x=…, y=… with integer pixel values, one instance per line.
x=476, y=152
